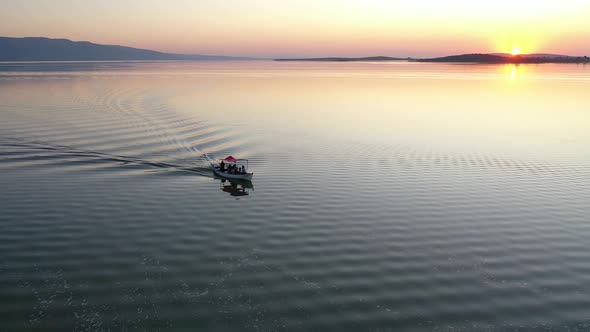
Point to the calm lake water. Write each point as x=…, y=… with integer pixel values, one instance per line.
x=386, y=197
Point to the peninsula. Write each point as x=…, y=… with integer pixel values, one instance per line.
x=47, y=49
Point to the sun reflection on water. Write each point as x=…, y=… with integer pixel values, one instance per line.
x=514, y=71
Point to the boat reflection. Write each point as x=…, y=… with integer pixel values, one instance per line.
x=236, y=188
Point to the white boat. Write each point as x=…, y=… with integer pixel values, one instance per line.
x=221, y=169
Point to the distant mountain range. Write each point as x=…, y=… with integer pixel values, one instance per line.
x=47, y=49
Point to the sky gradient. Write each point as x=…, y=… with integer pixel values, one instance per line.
x=287, y=28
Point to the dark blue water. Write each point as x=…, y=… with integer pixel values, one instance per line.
x=397, y=197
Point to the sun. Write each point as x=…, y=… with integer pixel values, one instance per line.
x=516, y=51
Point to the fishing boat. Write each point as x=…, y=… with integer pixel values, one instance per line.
x=231, y=163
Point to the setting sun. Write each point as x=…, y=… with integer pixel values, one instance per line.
x=515, y=51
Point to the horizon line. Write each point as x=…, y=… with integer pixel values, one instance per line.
x=274, y=57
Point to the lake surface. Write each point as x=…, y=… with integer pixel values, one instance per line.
x=386, y=197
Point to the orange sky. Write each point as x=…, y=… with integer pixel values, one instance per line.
x=310, y=28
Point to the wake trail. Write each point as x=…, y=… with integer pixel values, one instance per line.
x=73, y=151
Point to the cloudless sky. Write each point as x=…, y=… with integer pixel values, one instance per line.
x=272, y=28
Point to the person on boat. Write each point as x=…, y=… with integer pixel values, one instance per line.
x=243, y=169
x=230, y=168
x=222, y=166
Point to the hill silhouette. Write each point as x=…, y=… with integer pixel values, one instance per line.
x=47, y=49
x=508, y=58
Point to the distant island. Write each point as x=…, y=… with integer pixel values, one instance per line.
x=500, y=58
x=47, y=49
x=341, y=59
x=494, y=58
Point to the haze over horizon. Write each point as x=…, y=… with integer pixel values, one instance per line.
x=307, y=29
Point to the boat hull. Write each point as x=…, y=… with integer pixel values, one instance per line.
x=247, y=176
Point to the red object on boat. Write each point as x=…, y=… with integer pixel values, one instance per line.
x=231, y=159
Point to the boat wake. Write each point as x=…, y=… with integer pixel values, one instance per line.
x=110, y=124
x=18, y=151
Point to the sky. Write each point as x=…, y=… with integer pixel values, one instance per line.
x=293, y=28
